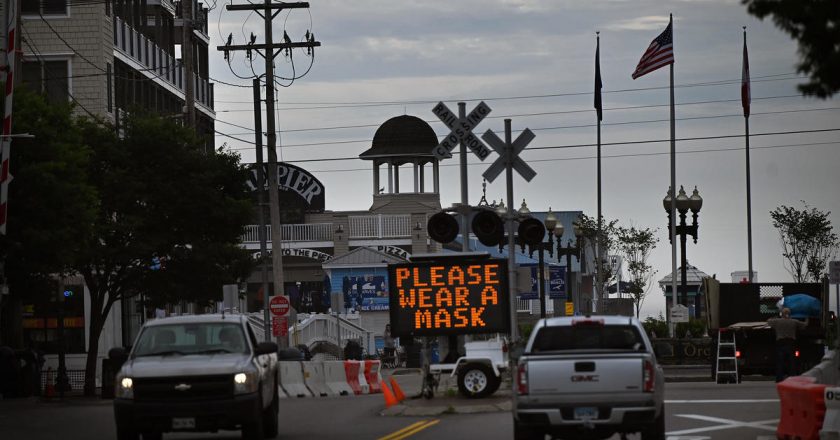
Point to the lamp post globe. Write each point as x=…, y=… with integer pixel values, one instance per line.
x=501, y=210
x=682, y=201
x=550, y=220
x=558, y=231
x=523, y=210
x=666, y=202
x=695, y=202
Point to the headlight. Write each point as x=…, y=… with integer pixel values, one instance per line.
x=247, y=382
x=125, y=388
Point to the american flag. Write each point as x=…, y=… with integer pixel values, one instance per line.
x=659, y=53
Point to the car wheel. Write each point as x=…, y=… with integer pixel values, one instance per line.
x=656, y=431
x=253, y=429
x=476, y=380
x=271, y=418
x=127, y=434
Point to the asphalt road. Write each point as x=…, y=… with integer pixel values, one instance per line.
x=694, y=411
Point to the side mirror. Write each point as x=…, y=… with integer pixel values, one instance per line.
x=267, y=347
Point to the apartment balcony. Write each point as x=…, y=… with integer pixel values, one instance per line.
x=363, y=229
x=144, y=55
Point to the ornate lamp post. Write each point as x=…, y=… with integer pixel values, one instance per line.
x=684, y=204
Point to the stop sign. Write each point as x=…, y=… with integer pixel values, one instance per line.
x=279, y=305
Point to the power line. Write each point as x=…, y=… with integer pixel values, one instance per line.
x=563, y=159
x=539, y=96
x=688, y=118
x=555, y=147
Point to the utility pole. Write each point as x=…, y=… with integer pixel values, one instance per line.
x=270, y=49
x=187, y=61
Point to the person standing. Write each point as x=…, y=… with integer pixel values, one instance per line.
x=785, y=329
x=389, y=347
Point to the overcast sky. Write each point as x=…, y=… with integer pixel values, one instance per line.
x=533, y=61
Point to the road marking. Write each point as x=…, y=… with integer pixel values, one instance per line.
x=724, y=401
x=410, y=430
x=723, y=424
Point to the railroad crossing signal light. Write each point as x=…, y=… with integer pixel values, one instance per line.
x=442, y=227
x=488, y=228
x=531, y=231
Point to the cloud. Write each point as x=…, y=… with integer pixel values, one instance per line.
x=646, y=23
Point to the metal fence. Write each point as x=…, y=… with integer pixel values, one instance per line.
x=75, y=379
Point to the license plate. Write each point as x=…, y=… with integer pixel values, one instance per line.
x=183, y=423
x=586, y=413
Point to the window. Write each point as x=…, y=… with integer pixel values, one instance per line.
x=50, y=77
x=44, y=7
x=588, y=337
x=191, y=338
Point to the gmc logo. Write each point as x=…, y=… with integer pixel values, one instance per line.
x=585, y=378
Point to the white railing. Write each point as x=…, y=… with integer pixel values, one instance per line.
x=523, y=305
x=157, y=62
x=380, y=226
x=295, y=232
x=331, y=329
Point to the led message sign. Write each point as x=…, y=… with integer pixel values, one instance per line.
x=454, y=296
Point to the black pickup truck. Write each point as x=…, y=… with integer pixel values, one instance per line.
x=745, y=308
x=197, y=373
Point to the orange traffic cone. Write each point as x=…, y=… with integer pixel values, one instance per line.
x=49, y=389
x=390, y=400
x=398, y=393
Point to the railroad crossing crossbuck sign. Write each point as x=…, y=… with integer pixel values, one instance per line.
x=516, y=147
x=461, y=130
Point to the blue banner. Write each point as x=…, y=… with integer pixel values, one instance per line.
x=556, y=282
x=363, y=289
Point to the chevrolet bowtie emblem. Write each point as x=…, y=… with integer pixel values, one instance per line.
x=183, y=387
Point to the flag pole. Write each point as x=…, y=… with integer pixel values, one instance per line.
x=745, y=101
x=673, y=185
x=598, y=256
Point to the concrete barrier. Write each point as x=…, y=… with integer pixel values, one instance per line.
x=355, y=373
x=335, y=378
x=831, y=424
x=373, y=376
x=314, y=378
x=291, y=379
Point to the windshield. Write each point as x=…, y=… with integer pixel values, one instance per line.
x=587, y=337
x=192, y=338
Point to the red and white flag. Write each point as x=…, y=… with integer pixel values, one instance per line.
x=660, y=53
x=745, y=81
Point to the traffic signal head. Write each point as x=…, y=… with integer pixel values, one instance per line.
x=531, y=231
x=488, y=228
x=442, y=227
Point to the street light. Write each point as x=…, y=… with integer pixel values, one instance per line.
x=684, y=204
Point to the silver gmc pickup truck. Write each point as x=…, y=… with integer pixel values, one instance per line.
x=588, y=377
x=197, y=373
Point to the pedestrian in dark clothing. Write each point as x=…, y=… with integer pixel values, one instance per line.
x=785, y=329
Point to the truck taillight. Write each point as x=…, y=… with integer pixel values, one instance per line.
x=522, y=379
x=649, y=377
x=737, y=353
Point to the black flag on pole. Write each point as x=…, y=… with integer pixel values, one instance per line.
x=598, y=85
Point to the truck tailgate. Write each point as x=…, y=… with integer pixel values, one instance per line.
x=587, y=373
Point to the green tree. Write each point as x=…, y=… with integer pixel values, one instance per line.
x=51, y=204
x=607, y=242
x=636, y=244
x=808, y=241
x=160, y=196
x=815, y=25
